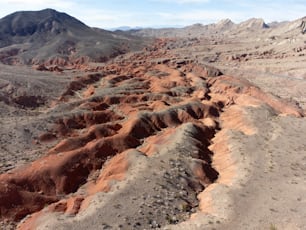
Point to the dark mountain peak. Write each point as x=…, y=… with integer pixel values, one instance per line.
x=25, y=23
x=49, y=36
x=37, y=15
x=48, y=11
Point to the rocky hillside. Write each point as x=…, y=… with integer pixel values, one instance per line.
x=225, y=27
x=32, y=37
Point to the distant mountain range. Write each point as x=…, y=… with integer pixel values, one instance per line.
x=225, y=27
x=126, y=28
x=31, y=37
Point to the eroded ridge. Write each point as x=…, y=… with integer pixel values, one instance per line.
x=134, y=136
x=117, y=116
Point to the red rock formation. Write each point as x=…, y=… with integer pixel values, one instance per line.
x=233, y=88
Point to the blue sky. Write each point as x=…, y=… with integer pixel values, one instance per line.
x=157, y=13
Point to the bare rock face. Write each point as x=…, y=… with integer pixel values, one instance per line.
x=254, y=23
x=303, y=27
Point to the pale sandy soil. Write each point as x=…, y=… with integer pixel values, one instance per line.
x=267, y=188
x=273, y=192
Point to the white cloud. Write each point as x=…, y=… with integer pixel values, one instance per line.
x=182, y=1
x=242, y=10
x=274, y=10
x=269, y=10
x=37, y=3
x=201, y=16
x=103, y=18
